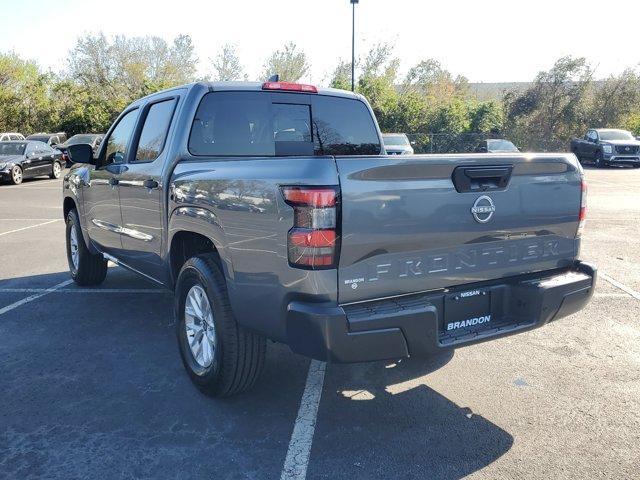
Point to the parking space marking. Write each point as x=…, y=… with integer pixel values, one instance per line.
x=621, y=286
x=31, y=298
x=297, y=460
x=86, y=290
x=611, y=295
x=30, y=226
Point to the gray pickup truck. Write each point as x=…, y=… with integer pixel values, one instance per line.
x=272, y=213
x=607, y=146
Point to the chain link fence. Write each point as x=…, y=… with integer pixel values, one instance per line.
x=448, y=143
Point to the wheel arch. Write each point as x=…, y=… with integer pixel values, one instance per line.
x=194, y=231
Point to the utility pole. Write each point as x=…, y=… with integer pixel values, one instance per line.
x=353, y=44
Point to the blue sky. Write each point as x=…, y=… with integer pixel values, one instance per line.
x=488, y=40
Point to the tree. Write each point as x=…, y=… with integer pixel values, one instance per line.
x=615, y=99
x=126, y=68
x=554, y=109
x=289, y=63
x=487, y=117
x=341, y=77
x=24, y=95
x=227, y=65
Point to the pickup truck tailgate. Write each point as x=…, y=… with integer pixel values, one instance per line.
x=426, y=222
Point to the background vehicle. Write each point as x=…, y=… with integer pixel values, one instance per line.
x=7, y=136
x=397, y=144
x=272, y=212
x=606, y=146
x=26, y=159
x=496, y=145
x=51, y=139
x=92, y=139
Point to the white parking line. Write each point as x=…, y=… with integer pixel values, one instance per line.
x=610, y=295
x=621, y=286
x=86, y=290
x=30, y=226
x=297, y=460
x=31, y=298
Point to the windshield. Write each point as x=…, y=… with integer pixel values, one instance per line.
x=395, y=140
x=615, y=135
x=501, y=146
x=7, y=148
x=76, y=139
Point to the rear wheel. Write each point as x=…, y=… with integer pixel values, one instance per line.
x=56, y=170
x=16, y=175
x=86, y=268
x=221, y=357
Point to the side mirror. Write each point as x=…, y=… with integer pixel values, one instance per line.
x=81, y=153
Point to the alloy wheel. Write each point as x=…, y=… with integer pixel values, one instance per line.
x=200, y=329
x=73, y=246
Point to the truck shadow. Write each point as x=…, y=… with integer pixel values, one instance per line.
x=384, y=421
x=97, y=387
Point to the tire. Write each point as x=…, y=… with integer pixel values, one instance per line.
x=56, y=170
x=16, y=175
x=236, y=356
x=599, y=160
x=86, y=268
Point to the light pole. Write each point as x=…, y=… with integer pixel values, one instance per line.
x=353, y=44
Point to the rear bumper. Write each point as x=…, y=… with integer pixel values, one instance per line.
x=412, y=325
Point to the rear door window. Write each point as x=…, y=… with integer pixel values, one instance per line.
x=155, y=129
x=267, y=124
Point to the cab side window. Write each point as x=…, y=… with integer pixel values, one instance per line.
x=118, y=141
x=155, y=129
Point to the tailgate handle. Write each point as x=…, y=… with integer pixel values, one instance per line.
x=481, y=179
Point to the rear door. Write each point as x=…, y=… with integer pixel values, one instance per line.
x=418, y=223
x=141, y=189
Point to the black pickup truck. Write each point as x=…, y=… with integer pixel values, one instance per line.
x=272, y=212
x=607, y=146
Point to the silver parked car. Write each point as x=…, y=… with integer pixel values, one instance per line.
x=397, y=144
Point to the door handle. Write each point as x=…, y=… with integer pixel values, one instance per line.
x=150, y=184
x=113, y=181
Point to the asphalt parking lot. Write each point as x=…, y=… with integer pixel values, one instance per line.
x=91, y=384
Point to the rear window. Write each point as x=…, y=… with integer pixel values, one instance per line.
x=264, y=124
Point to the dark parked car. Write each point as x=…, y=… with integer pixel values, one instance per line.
x=270, y=211
x=26, y=159
x=51, y=139
x=607, y=146
x=496, y=145
x=92, y=139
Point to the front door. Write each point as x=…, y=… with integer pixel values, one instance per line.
x=141, y=191
x=101, y=195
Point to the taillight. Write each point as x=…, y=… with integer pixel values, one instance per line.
x=583, y=207
x=313, y=241
x=289, y=87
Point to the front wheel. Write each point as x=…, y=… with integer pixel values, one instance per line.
x=599, y=160
x=56, y=170
x=86, y=268
x=16, y=175
x=221, y=357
